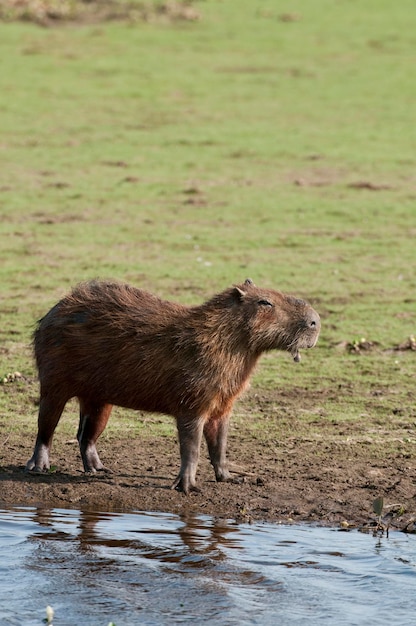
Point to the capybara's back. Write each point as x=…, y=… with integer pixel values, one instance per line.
x=109, y=343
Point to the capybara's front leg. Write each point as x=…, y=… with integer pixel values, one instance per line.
x=215, y=432
x=190, y=437
x=93, y=419
x=50, y=410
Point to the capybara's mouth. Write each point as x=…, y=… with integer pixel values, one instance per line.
x=294, y=350
x=296, y=355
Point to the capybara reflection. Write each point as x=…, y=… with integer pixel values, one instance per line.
x=111, y=344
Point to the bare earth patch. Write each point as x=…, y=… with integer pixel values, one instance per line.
x=331, y=477
x=58, y=12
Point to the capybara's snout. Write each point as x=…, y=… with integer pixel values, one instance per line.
x=313, y=323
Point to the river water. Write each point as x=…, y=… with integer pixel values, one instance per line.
x=154, y=568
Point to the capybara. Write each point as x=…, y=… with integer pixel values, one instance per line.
x=112, y=344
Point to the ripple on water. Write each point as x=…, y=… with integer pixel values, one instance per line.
x=145, y=568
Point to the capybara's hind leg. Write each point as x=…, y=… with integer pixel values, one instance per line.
x=50, y=410
x=216, y=432
x=190, y=437
x=93, y=419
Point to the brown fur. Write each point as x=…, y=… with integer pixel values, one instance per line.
x=111, y=344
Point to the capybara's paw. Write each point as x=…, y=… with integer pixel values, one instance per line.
x=40, y=460
x=222, y=475
x=236, y=480
x=39, y=469
x=184, y=485
x=92, y=462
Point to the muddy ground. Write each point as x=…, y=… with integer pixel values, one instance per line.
x=331, y=476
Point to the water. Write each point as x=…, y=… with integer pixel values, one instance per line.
x=149, y=569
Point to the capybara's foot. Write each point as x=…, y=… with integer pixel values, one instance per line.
x=40, y=459
x=237, y=477
x=32, y=467
x=182, y=483
x=222, y=475
x=91, y=460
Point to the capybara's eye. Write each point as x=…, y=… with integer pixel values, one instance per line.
x=265, y=303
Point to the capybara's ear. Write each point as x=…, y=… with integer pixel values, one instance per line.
x=239, y=294
x=248, y=282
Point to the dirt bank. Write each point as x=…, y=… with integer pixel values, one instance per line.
x=331, y=476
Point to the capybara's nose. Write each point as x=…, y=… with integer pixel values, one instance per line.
x=314, y=325
x=314, y=321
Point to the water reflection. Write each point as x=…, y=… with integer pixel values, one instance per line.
x=201, y=539
x=162, y=569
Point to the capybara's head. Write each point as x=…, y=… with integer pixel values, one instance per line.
x=277, y=321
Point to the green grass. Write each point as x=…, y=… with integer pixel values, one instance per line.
x=186, y=156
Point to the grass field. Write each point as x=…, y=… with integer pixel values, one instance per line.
x=186, y=155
